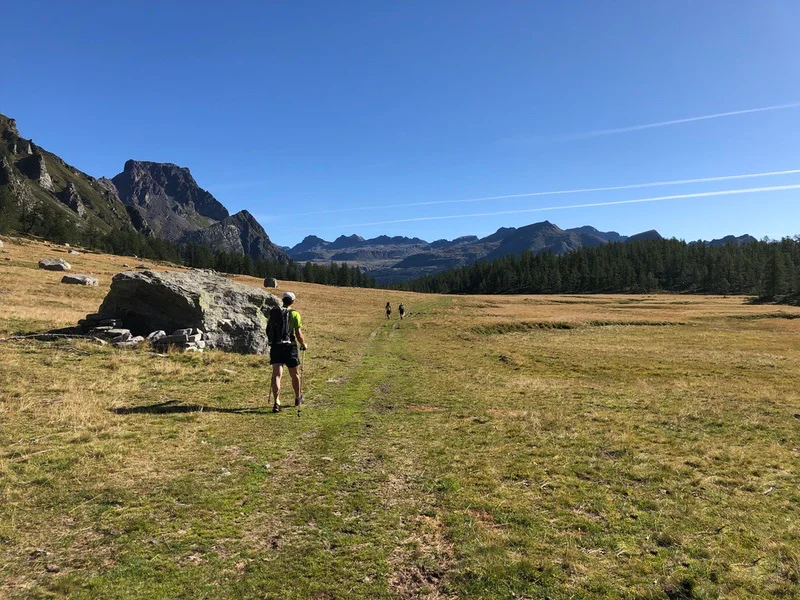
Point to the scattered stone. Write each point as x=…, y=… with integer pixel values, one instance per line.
x=327, y=458
x=126, y=265
x=74, y=252
x=54, y=264
x=142, y=267
x=226, y=473
x=79, y=280
x=1, y=243
x=156, y=335
x=52, y=568
x=267, y=466
x=39, y=552
x=6, y=258
x=186, y=331
x=230, y=314
x=175, y=338
x=117, y=332
x=230, y=371
x=99, y=341
x=270, y=282
x=100, y=331
x=123, y=337
x=194, y=338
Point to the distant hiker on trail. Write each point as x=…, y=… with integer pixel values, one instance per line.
x=284, y=329
x=388, y=310
x=402, y=310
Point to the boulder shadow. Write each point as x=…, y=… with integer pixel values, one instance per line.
x=174, y=407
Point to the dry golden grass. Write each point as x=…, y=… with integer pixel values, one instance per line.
x=647, y=448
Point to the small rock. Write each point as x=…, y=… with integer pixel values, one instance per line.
x=79, y=280
x=126, y=265
x=1, y=243
x=187, y=331
x=117, y=332
x=193, y=349
x=270, y=282
x=54, y=264
x=156, y=335
x=38, y=552
x=226, y=473
x=195, y=337
x=327, y=458
x=267, y=466
x=197, y=331
x=123, y=337
x=173, y=339
x=74, y=253
x=99, y=342
x=7, y=258
x=142, y=267
x=52, y=568
x=230, y=371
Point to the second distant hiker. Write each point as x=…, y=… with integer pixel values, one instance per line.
x=402, y=310
x=388, y=310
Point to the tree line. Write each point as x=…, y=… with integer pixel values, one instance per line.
x=49, y=223
x=767, y=269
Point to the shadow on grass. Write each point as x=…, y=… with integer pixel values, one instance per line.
x=173, y=407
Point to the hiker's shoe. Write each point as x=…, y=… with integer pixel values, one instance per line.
x=300, y=400
x=276, y=408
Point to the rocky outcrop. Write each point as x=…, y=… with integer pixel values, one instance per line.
x=54, y=264
x=270, y=282
x=71, y=198
x=168, y=197
x=230, y=314
x=34, y=167
x=240, y=234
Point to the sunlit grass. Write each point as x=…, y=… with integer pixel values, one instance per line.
x=486, y=447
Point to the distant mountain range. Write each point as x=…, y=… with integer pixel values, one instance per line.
x=158, y=199
x=164, y=200
x=390, y=259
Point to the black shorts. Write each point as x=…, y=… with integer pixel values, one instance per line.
x=284, y=354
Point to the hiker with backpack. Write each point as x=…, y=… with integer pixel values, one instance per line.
x=402, y=310
x=284, y=330
x=388, y=310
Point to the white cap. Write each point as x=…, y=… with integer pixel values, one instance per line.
x=288, y=295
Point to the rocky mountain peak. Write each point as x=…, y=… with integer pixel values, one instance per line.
x=168, y=197
x=8, y=127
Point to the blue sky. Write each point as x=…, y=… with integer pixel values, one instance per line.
x=302, y=107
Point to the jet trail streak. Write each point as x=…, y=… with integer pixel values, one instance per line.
x=776, y=188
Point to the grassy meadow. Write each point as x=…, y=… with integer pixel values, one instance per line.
x=485, y=447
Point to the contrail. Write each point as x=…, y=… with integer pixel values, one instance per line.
x=601, y=132
x=563, y=192
x=775, y=188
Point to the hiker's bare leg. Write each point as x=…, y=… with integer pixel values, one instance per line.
x=295, y=374
x=277, y=371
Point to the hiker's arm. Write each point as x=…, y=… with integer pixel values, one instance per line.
x=299, y=333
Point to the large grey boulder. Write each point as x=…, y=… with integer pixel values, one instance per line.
x=79, y=280
x=230, y=314
x=55, y=264
x=270, y=282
